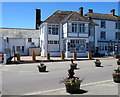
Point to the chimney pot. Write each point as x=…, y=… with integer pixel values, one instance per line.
x=90, y=11
x=112, y=12
x=81, y=11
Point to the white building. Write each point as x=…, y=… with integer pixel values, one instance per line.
x=107, y=34
x=66, y=31
x=18, y=40
x=69, y=32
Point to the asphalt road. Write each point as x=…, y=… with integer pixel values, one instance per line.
x=25, y=78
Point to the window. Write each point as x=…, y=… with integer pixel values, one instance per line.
x=53, y=29
x=103, y=35
x=91, y=30
x=77, y=45
x=81, y=27
x=18, y=49
x=13, y=48
x=74, y=27
x=49, y=29
x=53, y=42
x=103, y=24
x=29, y=39
x=7, y=39
x=117, y=25
x=56, y=42
x=117, y=36
x=23, y=49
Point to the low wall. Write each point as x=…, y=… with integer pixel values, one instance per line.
x=35, y=49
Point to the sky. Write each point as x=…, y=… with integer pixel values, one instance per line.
x=22, y=14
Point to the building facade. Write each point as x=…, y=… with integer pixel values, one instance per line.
x=107, y=34
x=18, y=40
x=69, y=32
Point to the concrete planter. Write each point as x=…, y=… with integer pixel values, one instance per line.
x=42, y=69
x=116, y=78
x=97, y=64
x=118, y=62
x=72, y=88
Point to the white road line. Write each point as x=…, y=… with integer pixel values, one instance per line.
x=35, y=93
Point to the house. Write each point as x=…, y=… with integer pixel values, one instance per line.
x=18, y=40
x=67, y=31
x=107, y=34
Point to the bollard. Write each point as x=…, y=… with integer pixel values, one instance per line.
x=62, y=55
x=18, y=56
x=89, y=55
x=74, y=55
x=48, y=56
x=118, y=66
x=5, y=59
x=33, y=55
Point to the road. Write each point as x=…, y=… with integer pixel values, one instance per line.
x=25, y=79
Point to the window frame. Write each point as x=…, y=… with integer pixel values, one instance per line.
x=53, y=29
x=74, y=27
x=117, y=25
x=117, y=35
x=103, y=24
x=23, y=49
x=29, y=39
x=103, y=35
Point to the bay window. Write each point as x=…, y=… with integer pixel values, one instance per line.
x=77, y=45
x=53, y=29
x=78, y=27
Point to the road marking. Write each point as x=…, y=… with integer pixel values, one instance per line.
x=35, y=93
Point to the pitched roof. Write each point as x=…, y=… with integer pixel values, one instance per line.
x=60, y=16
x=103, y=16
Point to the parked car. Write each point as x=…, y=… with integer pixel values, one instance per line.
x=109, y=53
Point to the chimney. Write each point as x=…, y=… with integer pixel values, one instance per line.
x=81, y=11
x=112, y=12
x=90, y=11
x=38, y=18
x=89, y=18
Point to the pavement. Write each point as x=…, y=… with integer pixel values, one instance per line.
x=107, y=87
x=28, y=59
x=99, y=88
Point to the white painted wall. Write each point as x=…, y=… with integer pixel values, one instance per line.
x=110, y=31
x=65, y=30
x=110, y=35
x=0, y=44
x=19, y=37
x=43, y=39
x=53, y=37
